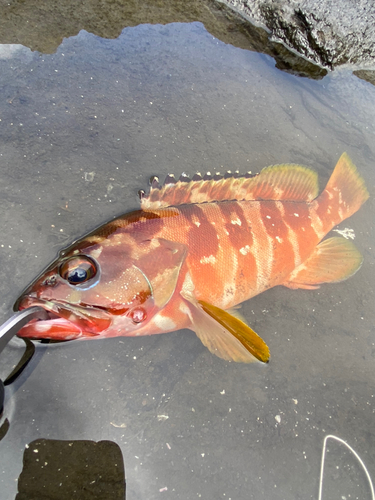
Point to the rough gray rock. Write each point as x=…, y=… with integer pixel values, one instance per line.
x=328, y=32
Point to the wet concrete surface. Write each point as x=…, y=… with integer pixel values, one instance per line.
x=81, y=131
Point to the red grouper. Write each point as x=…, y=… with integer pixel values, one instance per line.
x=194, y=251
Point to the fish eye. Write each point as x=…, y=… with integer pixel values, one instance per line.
x=78, y=269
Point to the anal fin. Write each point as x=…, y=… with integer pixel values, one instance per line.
x=333, y=260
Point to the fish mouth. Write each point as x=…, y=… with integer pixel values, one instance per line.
x=65, y=321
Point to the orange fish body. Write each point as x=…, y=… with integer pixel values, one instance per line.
x=195, y=250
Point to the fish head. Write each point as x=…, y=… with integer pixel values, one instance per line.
x=106, y=289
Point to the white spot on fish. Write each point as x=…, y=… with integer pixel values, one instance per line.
x=229, y=298
x=154, y=243
x=268, y=216
x=164, y=323
x=184, y=308
x=296, y=215
x=245, y=250
x=279, y=239
x=187, y=286
x=195, y=220
x=236, y=221
x=96, y=252
x=208, y=260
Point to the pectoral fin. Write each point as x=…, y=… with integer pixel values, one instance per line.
x=334, y=259
x=226, y=336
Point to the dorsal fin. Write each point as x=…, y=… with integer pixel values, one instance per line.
x=277, y=182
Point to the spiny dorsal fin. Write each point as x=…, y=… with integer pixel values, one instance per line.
x=277, y=182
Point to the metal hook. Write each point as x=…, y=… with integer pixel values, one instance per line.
x=12, y=326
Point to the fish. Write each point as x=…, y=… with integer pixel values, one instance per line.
x=194, y=251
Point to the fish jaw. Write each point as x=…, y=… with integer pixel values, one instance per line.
x=67, y=322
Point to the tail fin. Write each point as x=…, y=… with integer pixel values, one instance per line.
x=347, y=180
x=344, y=194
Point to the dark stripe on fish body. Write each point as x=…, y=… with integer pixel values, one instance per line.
x=239, y=234
x=202, y=239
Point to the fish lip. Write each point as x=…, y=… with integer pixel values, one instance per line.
x=55, y=307
x=37, y=334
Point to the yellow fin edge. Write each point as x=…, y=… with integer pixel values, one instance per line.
x=240, y=330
